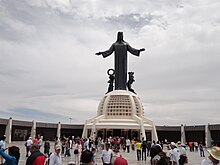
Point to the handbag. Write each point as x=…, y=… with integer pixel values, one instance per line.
x=76, y=151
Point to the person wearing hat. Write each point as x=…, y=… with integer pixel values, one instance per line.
x=214, y=157
x=181, y=149
x=174, y=154
x=55, y=158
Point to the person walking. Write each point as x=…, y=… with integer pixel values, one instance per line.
x=36, y=157
x=77, y=152
x=148, y=147
x=47, y=147
x=116, y=153
x=138, y=150
x=67, y=148
x=144, y=150
x=196, y=146
x=35, y=141
x=133, y=144
x=128, y=143
x=27, y=145
x=40, y=141
x=181, y=149
x=55, y=158
x=107, y=155
x=174, y=154
x=201, y=150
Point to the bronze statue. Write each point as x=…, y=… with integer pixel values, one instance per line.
x=130, y=81
x=111, y=80
x=120, y=47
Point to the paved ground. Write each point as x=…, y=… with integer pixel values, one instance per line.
x=193, y=157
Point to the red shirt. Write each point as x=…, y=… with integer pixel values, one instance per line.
x=39, y=160
x=35, y=141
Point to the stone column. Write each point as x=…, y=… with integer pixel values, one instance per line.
x=8, y=131
x=33, y=130
x=58, y=130
x=207, y=136
x=93, y=133
x=84, y=134
x=142, y=130
x=183, y=135
x=154, y=133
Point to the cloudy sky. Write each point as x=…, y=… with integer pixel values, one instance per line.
x=49, y=71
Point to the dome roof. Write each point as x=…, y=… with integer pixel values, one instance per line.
x=120, y=104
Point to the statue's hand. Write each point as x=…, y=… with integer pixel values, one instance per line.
x=142, y=50
x=99, y=53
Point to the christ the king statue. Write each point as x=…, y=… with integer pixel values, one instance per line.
x=120, y=47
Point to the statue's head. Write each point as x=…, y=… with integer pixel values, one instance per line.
x=120, y=36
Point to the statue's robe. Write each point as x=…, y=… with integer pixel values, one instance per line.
x=120, y=48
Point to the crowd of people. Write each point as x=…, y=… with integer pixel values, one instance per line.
x=195, y=147
x=85, y=151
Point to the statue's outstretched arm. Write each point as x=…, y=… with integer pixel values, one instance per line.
x=107, y=52
x=134, y=51
x=143, y=49
x=98, y=53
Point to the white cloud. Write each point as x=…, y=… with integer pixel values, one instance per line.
x=48, y=62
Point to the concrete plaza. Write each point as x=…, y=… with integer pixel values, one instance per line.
x=193, y=157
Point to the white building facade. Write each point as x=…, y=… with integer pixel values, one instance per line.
x=120, y=113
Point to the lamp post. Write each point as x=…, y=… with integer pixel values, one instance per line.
x=70, y=119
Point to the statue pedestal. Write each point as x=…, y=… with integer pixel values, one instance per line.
x=120, y=113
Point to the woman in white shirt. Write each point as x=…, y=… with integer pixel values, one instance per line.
x=77, y=152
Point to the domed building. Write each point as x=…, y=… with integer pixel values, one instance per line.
x=120, y=113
